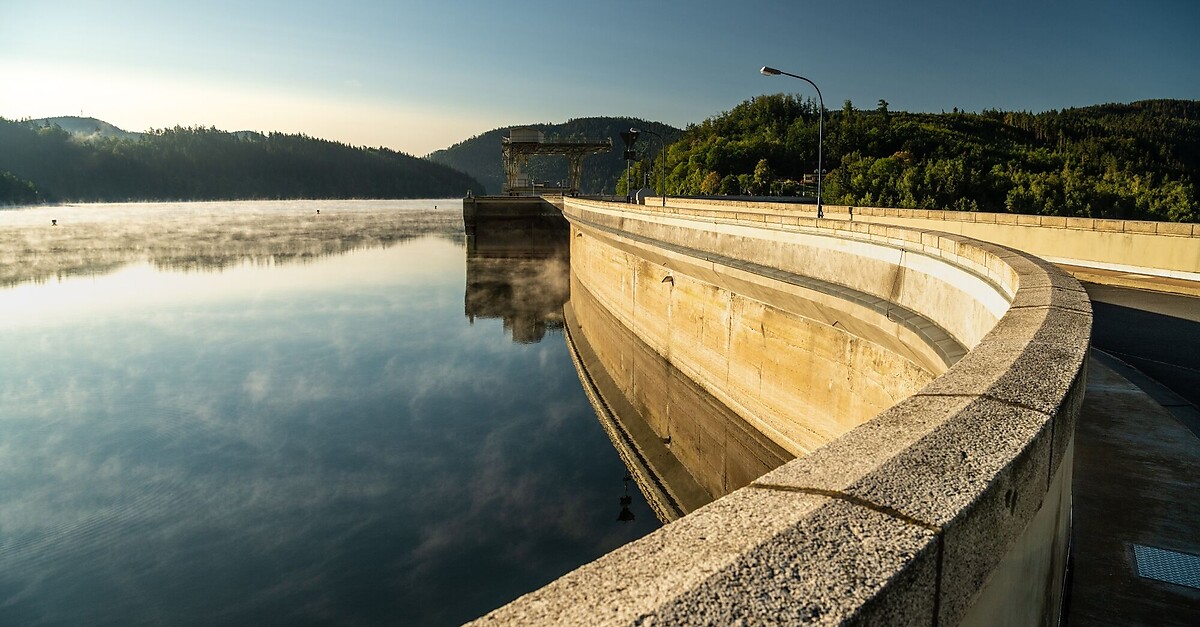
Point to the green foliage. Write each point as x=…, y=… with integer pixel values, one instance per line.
x=637, y=170
x=762, y=178
x=1138, y=161
x=16, y=191
x=479, y=156
x=208, y=164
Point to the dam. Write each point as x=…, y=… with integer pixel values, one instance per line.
x=889, y=418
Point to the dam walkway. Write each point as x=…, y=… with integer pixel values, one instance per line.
x=1137, y=459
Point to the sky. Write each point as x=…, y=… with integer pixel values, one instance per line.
x=417, y=76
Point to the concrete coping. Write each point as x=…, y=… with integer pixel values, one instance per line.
x=904, y=519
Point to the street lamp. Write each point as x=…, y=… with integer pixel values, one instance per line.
x=629, y=137
x=770, y=71
x=662, y=177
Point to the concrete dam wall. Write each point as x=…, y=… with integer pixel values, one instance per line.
x=682, y=445
x=926, y=384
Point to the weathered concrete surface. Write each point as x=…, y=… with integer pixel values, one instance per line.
x=905, y=267
x=1137, y=468
x=863, y=299
x=941, y=508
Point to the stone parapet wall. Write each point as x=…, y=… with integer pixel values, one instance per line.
x=949, y=507
x=1165, y=249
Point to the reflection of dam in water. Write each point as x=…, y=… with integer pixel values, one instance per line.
x=517, y=272
x=682, y=446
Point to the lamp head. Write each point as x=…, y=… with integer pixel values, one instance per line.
x=769, y=71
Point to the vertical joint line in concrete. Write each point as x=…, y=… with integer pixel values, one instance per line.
x=728, y=331
x=895, y=285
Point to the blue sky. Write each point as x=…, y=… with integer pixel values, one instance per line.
x=417, y=76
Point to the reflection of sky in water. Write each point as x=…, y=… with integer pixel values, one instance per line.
x=327, y=443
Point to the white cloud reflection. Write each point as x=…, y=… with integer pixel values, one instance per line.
x=318, y=443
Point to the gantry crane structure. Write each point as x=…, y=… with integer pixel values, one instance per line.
x=523, y=143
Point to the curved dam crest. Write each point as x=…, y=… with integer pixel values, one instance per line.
x=927, y=384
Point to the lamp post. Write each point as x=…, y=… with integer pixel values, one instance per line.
x=629, y=137
x=770, y=71
x=663, y=176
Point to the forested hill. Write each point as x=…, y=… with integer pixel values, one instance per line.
x=86, y=128
x=480, y=155
x=1136, y=161
x=43, y=162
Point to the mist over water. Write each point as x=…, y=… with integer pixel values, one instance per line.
x=275, y=429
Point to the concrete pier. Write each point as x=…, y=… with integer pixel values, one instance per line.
x=518, y=272
x=503, y=216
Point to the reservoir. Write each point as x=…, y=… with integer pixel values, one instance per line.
x=255, y=414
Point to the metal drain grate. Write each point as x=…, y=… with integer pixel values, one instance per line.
x=1181, y=569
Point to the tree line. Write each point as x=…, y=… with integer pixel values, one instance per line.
x=44, y=163
x=1134, y=161
x=1139, y=160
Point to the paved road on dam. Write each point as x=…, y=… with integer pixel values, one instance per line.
x=1156, y=333
x=1137, y=465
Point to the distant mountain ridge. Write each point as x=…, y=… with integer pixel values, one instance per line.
x=89, y=160
x=93, y=128
x=480, y=156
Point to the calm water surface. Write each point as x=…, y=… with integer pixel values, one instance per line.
x=327, y=442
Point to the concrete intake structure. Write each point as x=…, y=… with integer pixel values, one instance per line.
x=928, y=383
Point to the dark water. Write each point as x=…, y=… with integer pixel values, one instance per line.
x=333, y=442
